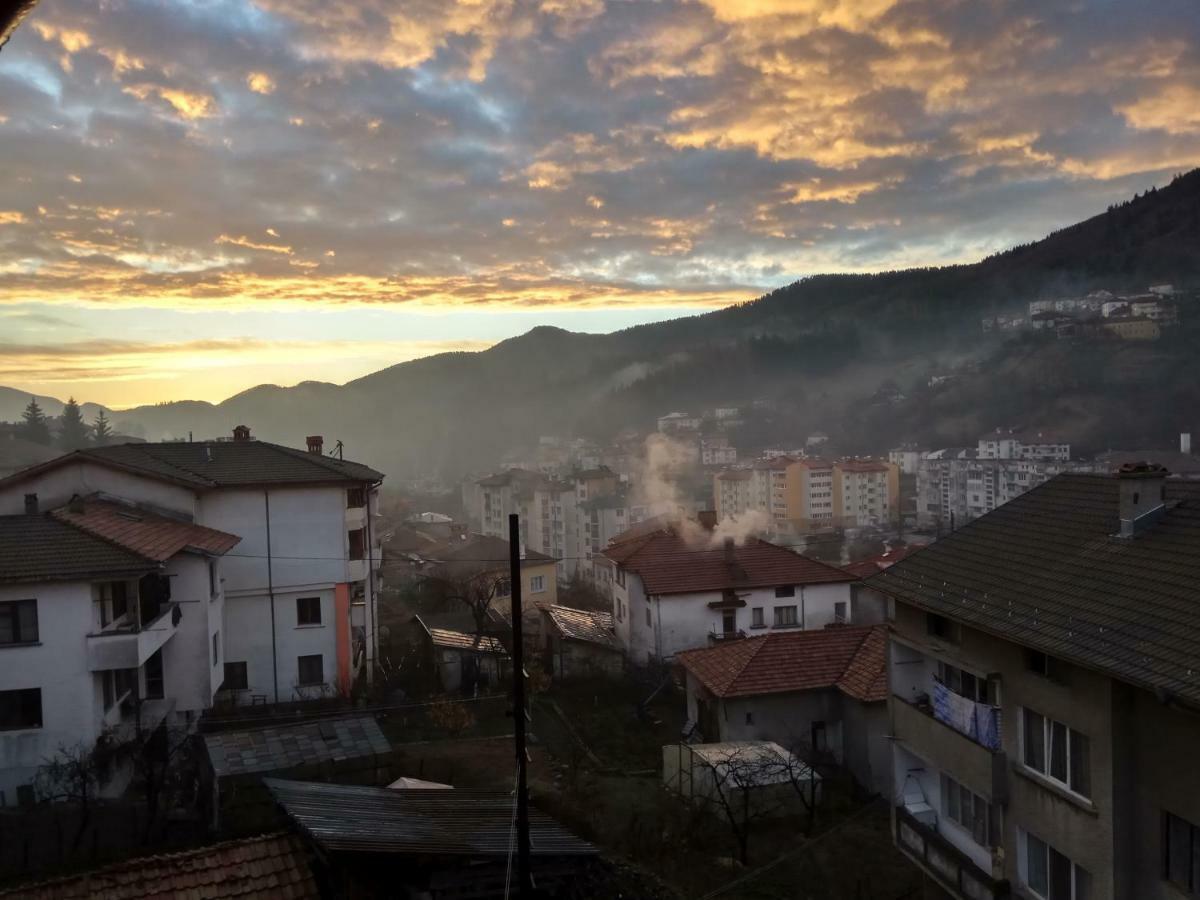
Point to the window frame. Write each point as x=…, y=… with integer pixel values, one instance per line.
x=300, y=663
x=1192, y=848
x=356, y=544
x=1076, y=874
x=216, y=647
x=26, y=697
x=245, y=679
x=781, y=617
x=537, y=584
x=301, y=621
x=757, y=617
x=1073, y=753
x=12, y=609
x=356, y=498
x=954, y=795
x=785, y=591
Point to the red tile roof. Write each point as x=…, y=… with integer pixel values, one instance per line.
x=669, y=564
x=848, y=657
x=152, y=536
x=259, y=868
x=876, y=564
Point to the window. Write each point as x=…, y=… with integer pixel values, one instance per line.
x=503, y=587
x=1056, y=751
x=537, y=584
x=965, y=684
x=968, y=809
x=649, y=621
x=18, y=622
x=1182, y=863
x=941, y=627
x=214, y=584
x=308, y=610
x=358, y=544
x=787, y=590
x=1049, y=874
x=20, y=709
x=621, y=577
x=839, y=611
x=749, y=718
x=1045, y=665
x=114, y=601
x=216, y=642
x=236, y=677
x=356, y=498
x=154, y=674
x=311, y=669
x=820, y=740
x=756, y=617
x=785, y=615
x=728, y=622
x=106, y=688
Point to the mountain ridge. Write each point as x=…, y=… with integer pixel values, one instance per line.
x=817, y=349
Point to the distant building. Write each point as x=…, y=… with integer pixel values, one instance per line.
x=865, y=492
x=732, y=493
x=1129, y=328
x=906, y=458
x=678, y=421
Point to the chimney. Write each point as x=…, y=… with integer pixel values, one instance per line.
x=1185, y=442
x=730, y=555
x=241, y=433
x=315, y=443
x=1142, y=496
x=31, y=504
x=707, y=519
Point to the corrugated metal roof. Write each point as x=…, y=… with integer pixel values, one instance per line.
x=458, y=640
x=279, y=749
x=38, y=548
x=1046, y=570
x=583, y=625
x=442, y=823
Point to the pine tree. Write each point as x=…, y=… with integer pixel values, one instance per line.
x=73, y=433
x=101, y=430
x=35, y=428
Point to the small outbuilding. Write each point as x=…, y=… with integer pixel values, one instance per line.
x=579, y=642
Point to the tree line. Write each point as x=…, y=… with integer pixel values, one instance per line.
x=73, y=432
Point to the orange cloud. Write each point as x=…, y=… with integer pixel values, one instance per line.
x=187, y=104
x=260, y=82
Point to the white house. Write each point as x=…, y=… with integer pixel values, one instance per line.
x=111, y=621
x=300, y=590
x=673, y=590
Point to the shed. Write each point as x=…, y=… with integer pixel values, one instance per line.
x=579, y=642
x=467, y=662
x=773, y=780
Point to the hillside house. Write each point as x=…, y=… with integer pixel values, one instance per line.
x=579, y=642
x=673, y=590
x=820, y=693
x=300, y=589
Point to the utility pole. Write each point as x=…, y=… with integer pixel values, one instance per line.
x=524, y=876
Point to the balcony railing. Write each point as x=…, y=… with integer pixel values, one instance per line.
x=949, y=865
x=128, y=645
x=718, y=636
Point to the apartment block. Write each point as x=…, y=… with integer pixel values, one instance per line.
x=1045, y=694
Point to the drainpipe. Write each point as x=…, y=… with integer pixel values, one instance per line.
x=803, y=612
x=370, y=634
x=271, y=596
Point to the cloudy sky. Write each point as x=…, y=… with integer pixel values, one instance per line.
x=200, y=196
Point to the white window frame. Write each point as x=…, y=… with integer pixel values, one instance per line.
x=1078, y=873
x=1047, y=739
x=537, y=584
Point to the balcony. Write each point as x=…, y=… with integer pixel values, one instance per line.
x=980, y=767
x=945, y=862
x=144, y=716
x=717, y=637
x=125, y=645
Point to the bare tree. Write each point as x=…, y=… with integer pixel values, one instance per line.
x=478, y=592
x=755, y=782
x=75, y=774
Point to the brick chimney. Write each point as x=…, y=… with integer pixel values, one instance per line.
x=315, y=443
x=1143, y=487
x=241, y=432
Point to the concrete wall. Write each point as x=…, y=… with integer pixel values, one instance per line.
x=248, y=639
x=72, y=705
x=189, y=672
x=55, y=487
x=786, y=719
x=867, y=745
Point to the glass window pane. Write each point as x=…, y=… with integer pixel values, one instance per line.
x=1036, y=875
x=1179, y=849
x=1058, y=751
x=1060, y=876
x=27, y=617
x=8, y=624
x=1035, y=747
x=1083, y=884
x=979, y=828
x=1081, y=763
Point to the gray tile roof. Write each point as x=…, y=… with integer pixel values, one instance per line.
x=583, y=625
x=38, y=548
x=441, y=823
x=210, y=464
x=1046, y=571
x=279, y=749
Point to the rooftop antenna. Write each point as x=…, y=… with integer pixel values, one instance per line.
x=337, y=448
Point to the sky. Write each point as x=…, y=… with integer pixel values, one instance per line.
x=202, y=195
